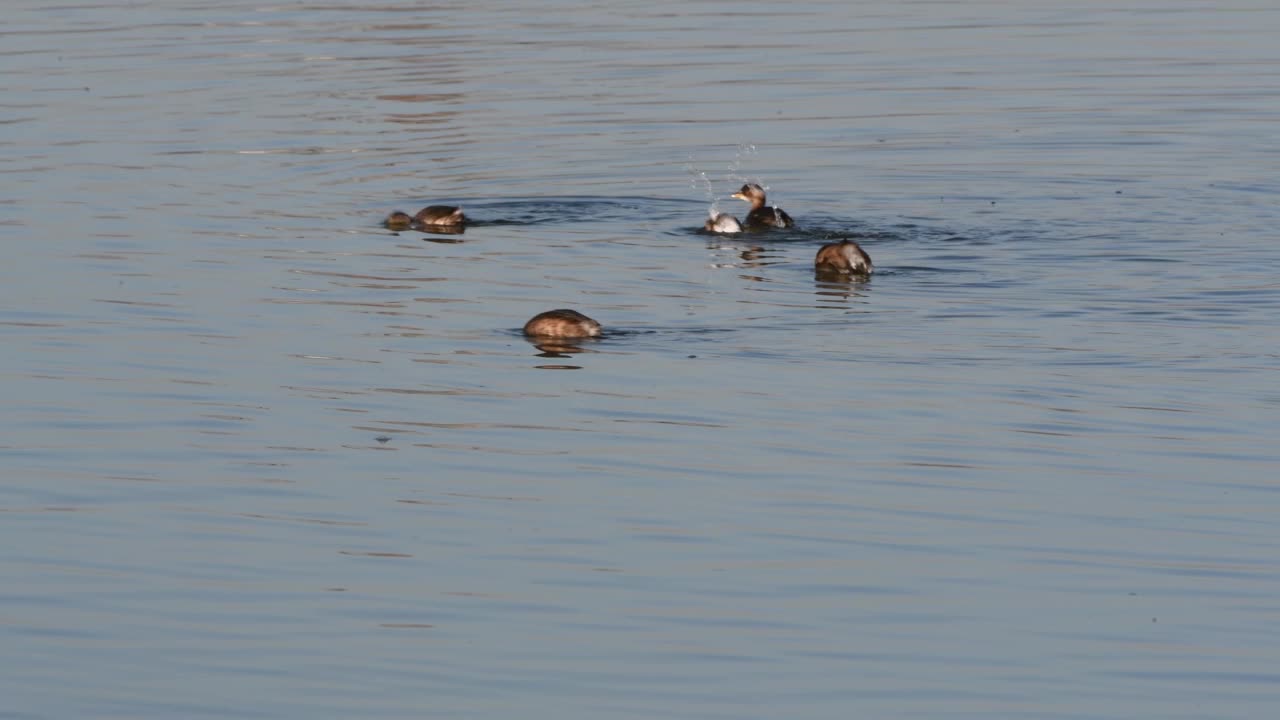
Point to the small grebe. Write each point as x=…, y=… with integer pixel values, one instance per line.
x=398, y=221
x=722, y=223
x=562, y=324
x=762, y=216
x=440, y=215
x=845, y=257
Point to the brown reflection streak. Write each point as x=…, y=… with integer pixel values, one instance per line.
x=625, y=396
x=557, y=349
x=1044, y=432
x=484, y=426
x=834, y=286
x=374, y=554
x=422, y=97
x=323, y=390
x=133, y=302
x=683, y=423
x=311, y=521
x=334, y=358
x=354, y=276
x=1154, y=408
x=343, y=303
x=466, y=393
x=420, y=119
x=941, y=465
x=499, y=451
x=373, y=428
x=512, y=498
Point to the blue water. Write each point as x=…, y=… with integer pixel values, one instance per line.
x=264, y=458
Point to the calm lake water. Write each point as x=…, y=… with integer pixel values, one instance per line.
x=263, y=458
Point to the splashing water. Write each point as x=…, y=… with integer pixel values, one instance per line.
x=698, y=179
x=734, y=171
x=735, y=176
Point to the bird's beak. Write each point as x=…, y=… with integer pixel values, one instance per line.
x=738, y=196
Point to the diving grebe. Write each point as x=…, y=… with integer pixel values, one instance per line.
x=845, y=257
x=722, y=223
x=761, y=215
x=398, y=221
x=562, y=324
x=440, y=215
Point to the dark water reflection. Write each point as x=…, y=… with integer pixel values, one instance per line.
x=265, y=458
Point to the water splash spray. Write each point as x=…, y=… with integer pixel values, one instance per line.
x=734, y=171
x=735, y=176
x=698, y=180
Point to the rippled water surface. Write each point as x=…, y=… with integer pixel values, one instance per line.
x=266, y=459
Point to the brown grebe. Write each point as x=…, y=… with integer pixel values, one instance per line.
x=561, y=324
x=845, y=257
x=761, y=215
x=445, y=217
x=398, y=221
x=440, y=215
